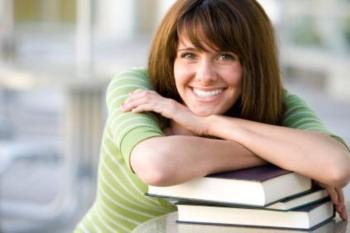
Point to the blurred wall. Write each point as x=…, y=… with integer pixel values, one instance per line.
x=45, y=10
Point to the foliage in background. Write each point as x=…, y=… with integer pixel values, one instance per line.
x=305, y=32
x=346, y=30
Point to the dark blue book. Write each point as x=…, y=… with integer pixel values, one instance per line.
x=257, y=186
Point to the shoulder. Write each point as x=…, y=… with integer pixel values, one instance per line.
x=290, y=99
x=125, y=82
x=133, y=75
x=297, y=114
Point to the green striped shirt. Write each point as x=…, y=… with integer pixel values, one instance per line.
x=120, y=203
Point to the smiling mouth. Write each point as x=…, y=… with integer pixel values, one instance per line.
x=207, y=94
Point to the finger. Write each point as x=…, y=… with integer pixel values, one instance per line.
x=133, y=103
x=344, y=214
x=340, y=196
x=341, y=208
x=333, y=195
x=337, y=197
x=135, y=94
x=158, y=107
x=340, y=193
x=141, y=108
x=143, y=94
x=136, y=91
x=147, y=107
x=140, y=97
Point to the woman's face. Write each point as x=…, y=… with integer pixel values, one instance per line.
x=208, y=82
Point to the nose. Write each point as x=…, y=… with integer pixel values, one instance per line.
x=206, y=72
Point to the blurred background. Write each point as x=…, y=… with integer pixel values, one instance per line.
x=56, y=58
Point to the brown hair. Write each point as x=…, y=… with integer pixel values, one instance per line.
x=240, y=26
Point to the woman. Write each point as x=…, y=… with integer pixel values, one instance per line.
x=219, y=106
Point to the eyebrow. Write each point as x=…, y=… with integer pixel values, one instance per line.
x=187, y=48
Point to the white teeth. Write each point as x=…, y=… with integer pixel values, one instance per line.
x=201, y=93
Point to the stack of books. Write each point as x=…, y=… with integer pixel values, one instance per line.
x=264, y=196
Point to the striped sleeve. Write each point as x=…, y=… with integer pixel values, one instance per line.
x=299, y=115
x=128, y=129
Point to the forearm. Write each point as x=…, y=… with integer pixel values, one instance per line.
x=312, y=154
x=174, y=159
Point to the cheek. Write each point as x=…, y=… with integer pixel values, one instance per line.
x=234, y=80
x=235, y=77
x=181, y=75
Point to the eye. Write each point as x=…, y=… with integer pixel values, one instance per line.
x=188, y=55
x=227, y=56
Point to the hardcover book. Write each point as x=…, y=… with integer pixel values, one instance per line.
x=328, y=227
x=257, y=186
x=300, y=200
x=304, y=218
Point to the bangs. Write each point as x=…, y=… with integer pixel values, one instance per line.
x=211, y=26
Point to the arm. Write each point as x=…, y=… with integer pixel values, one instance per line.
x=313, y=149
x=141, y=141
x=312, y=154
x=174, y=159
x=306, y=152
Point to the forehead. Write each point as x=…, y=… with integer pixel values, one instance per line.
x=209, y=26
x=198, y=41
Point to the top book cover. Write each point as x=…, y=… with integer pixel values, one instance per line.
x=257, y=186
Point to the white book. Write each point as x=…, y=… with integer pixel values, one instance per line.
x=300, y=200
x=305, y=218
x=328, y=227
x=257, y=186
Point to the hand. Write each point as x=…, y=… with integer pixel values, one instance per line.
x=151, y=101
x=337, y=197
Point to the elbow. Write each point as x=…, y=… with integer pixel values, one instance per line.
x=153, y=173
x=339, y=174
x=339, y=178
x=156, y=178
x=152, y=166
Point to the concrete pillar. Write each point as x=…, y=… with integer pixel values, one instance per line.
x=84, y=40
x=7, y=44
x=146, y=16
x=50, y=10
x=329, y=25
x=115, y=19
x=338, y=81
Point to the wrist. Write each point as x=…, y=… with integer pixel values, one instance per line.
x=210, y=125
x=223, y=127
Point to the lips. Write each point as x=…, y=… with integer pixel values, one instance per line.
x=207, y=93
